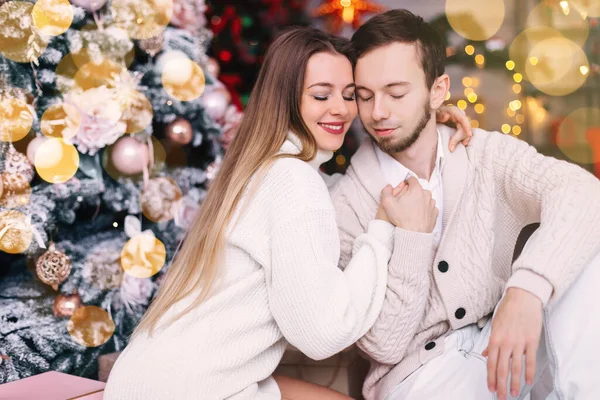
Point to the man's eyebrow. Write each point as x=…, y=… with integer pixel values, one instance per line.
x=389, y=85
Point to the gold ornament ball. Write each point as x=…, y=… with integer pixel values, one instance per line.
x=53, y=267
x=18, y=235
x=180, y=131
x=66, y=305
x=90, y=326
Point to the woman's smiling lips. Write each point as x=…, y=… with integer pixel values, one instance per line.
x=335, y=128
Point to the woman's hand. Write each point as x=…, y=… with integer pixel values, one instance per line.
x=463, y=132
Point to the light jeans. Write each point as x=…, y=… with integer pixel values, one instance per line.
x=567, y=364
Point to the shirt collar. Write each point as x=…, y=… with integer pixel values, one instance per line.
x=396, y=172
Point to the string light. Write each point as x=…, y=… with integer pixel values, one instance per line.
x=467, y=81
x=472, y=97
x=520, y=118
x=470, y=50
x=584, y=70
x=516, y=88
x=518, y=77
x=516, y=130
x=510, y=65
x=479, y=59
x=505, y=128
x=462, y=104
x=533, y=60
x=479, y=108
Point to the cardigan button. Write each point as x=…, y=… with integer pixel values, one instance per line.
x=429, y=345
x=443, y=266
x=460, y=313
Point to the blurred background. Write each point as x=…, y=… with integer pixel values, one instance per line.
x=115, y=116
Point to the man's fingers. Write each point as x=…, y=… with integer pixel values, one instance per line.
x=502, y=374
x=411, y=181
x=530, y=356
x=516, y=369
x=492, y=364
x=399, y=189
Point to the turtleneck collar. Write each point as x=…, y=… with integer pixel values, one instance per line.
x=293, y=145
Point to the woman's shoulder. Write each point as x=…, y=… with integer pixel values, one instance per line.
x=293, y=178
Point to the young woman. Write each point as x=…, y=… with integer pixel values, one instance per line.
x=259, y=267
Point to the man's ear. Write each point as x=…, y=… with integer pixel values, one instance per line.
x=437, y=95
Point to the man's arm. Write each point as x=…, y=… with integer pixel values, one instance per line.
x=563, y=197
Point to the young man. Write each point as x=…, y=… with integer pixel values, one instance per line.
x=452, y=270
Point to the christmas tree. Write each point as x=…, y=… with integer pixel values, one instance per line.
x=243, y=30
x=110, y=129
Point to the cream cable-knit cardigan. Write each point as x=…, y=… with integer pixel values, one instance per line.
x=492, y=189
x=280, y=282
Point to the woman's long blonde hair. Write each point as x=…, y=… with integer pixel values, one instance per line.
x=272, y=111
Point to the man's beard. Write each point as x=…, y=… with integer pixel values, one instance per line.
x=392, y=145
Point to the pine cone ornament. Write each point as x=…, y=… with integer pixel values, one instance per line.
x=53, y=267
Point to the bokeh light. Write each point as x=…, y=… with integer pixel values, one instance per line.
x=524, y=42
x=16, y=120
x=56, y=161
x=61, y=121
x=90, y=326
x=20, y=40
x=143, y=256
x=142, y=19
x=571, y=25
x=475, y=19
x=183, y=79
x=579, y=135
x=558, y=71
x=52, y=17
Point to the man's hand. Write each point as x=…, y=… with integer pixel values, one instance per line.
x=409, y=207
x=516, y=330
x=463, y=125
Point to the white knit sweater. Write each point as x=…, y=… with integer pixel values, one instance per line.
x=280, y=282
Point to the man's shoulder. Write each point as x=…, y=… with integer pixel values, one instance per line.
x=483, y=140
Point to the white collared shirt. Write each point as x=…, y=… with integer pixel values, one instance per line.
x=394, y=173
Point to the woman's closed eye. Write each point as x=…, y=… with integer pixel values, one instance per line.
x=325, y=98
